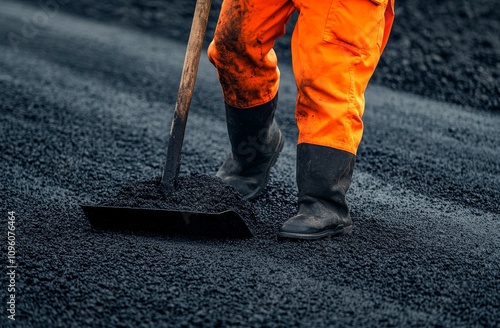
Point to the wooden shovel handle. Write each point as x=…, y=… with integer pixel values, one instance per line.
x=185, y=94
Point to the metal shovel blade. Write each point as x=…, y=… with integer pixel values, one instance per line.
x=224, y=224
x=227, y=224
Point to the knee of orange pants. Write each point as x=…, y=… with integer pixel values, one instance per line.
x=245, y=83
x=242, y=50
x=333, y=65
x=330, y=99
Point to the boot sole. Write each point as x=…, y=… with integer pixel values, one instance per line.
x=263, y=185
x=323, y=234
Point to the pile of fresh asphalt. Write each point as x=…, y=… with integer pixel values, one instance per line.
x=86, y=108
x=195, y=192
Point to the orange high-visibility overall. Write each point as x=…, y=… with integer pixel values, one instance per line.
x=336, y=45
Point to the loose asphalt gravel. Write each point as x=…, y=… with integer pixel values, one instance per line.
x=86, y=108
x=448, y=50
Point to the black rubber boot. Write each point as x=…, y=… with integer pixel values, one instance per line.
x=256, y=142
x=323, y=176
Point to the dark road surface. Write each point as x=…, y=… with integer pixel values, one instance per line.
x=86, y=107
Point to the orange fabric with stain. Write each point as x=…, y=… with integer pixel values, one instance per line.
x=336, y=46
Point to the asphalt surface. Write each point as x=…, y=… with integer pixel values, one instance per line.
x=86, y=107
x=447, y=51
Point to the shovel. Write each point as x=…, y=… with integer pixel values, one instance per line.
x=223, y=224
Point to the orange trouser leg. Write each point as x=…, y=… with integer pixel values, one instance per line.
x=242, y=49
x=336, y=46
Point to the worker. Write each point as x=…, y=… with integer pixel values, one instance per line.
x=335, y=46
